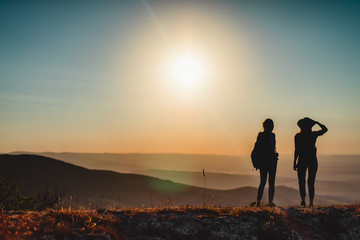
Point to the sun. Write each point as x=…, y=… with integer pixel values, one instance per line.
x=187, y=70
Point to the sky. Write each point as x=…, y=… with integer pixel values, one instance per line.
x=104, y=76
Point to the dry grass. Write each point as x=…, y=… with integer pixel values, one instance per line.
x=118, y=224
x=57, y=223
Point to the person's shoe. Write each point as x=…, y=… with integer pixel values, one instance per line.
x=257, y=204
x=311, y=205
x=303, y=204
x=271, y=205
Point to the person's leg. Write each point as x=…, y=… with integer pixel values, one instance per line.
x=301, y=179
x=313, y=166
x=263, y=175
x=272, y=174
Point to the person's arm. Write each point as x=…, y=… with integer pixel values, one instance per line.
x=323, y=129
x=296, y=156
x=276, y=153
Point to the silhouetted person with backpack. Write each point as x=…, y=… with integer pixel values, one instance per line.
x=265, y=149
x=305, y=156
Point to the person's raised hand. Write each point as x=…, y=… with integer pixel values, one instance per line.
x=314, y=122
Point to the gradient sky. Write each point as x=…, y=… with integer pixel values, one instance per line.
x=92, y=76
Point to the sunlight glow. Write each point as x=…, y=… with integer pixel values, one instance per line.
x=187, y=70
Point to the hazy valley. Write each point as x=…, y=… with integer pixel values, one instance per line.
x=103, y=188
x=338, y=175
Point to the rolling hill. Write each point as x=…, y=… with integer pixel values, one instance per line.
x=107, y=189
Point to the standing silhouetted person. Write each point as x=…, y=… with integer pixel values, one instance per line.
x=267, y=147
x=305, y=156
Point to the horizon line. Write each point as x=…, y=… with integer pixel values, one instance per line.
x=164, y=153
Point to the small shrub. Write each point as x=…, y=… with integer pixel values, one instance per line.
x=11, y=199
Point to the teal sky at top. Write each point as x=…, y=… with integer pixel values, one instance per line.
x=63, y=71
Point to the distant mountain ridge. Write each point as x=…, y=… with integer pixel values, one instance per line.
x=225, y=181
x=338, y=175
x=331, y=167
x=99, y=188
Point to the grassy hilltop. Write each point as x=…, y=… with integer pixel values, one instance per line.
x=322, y=222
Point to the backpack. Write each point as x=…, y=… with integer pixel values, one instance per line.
x=261, y=156
x=257, y=157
